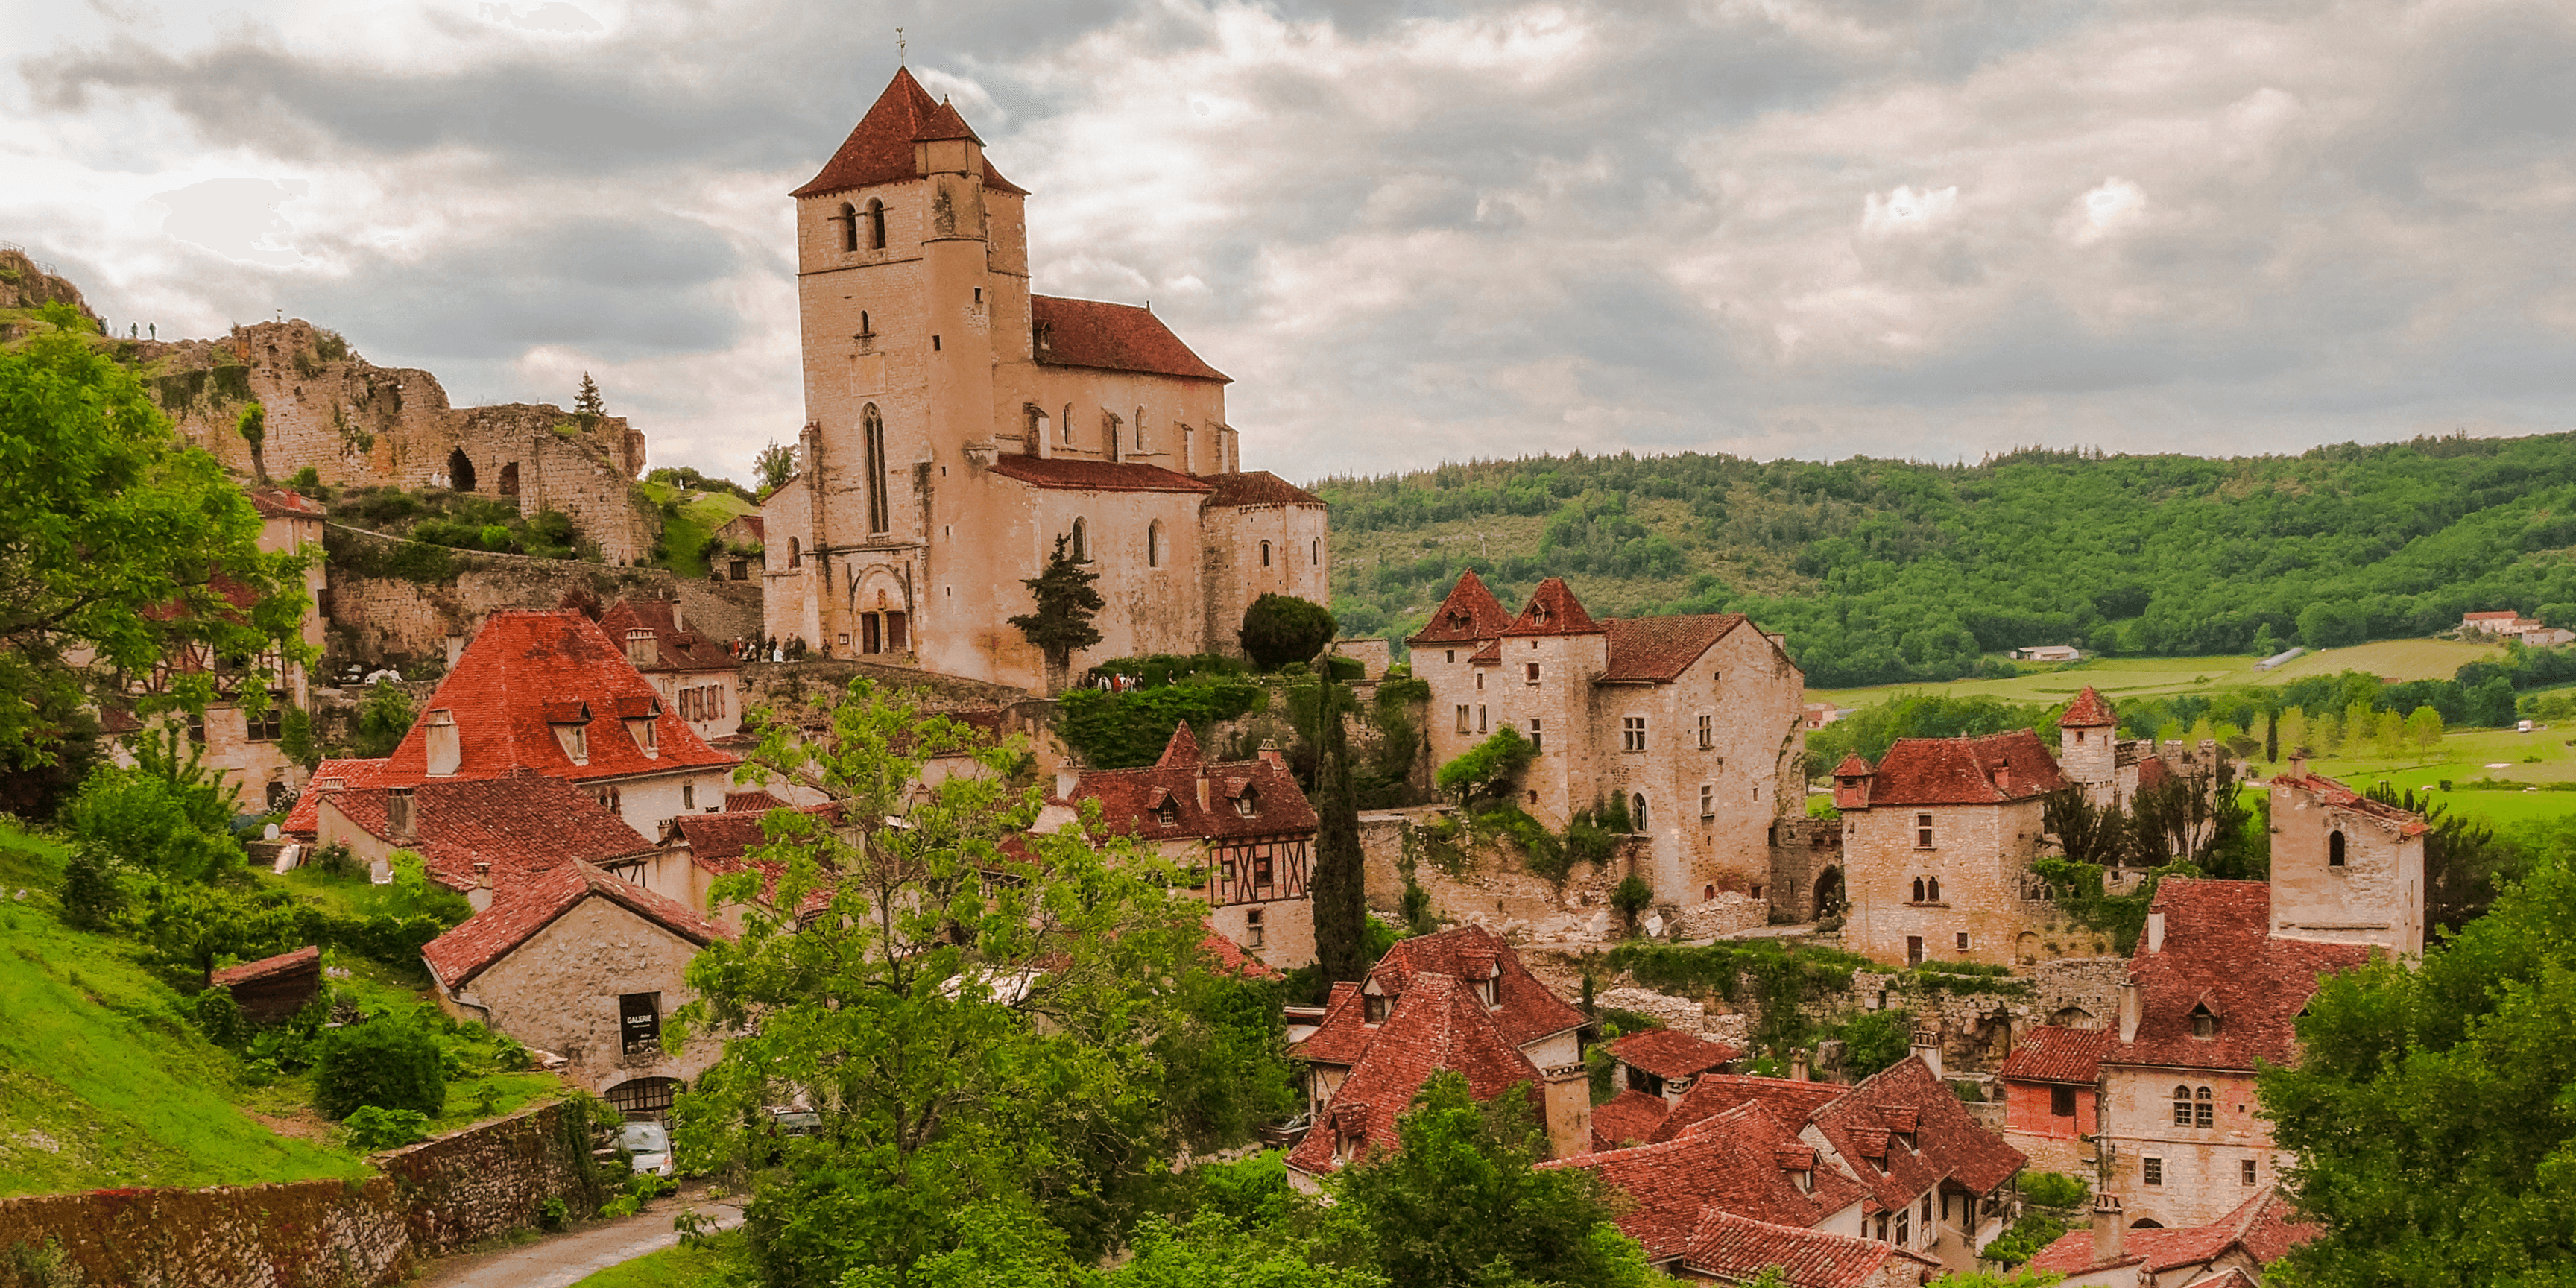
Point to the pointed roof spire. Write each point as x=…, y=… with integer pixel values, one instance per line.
x=1182, y=752
x=879, y=150
x=1553, y=610
x=1469, y=614
x=2088, y=711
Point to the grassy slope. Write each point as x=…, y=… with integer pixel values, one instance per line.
x=2542, y=756
x=2138, y=677
x=701, y=515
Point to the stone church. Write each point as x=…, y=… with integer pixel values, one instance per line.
x=958, y=425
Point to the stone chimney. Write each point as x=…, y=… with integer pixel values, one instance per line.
x=2155, y=932
x=1270, y=752
x=1569, y=1110
x=399, y=816
x=1066, y=781
x=2128, y=1010
x=2106, y=1228
x=1927, y=1048
x=639, y=648
x=441, y=745
x=1798, y=1065
x=480, y=897
x=2298, y=762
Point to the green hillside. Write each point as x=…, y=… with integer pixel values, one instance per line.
x=1889, y=571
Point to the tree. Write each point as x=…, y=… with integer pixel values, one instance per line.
x=2491, y=704
x=1489, y=769
x=1280, y=629
x=2428, y=1108
x=775, y=465
x=1065, y=605
x=1876, y=1040
x=2085, y=831
x=253, y=424
x=383, y=721
x=2462, y=859
x=1458, y=1204
x=1021, y=1037
x=1339, y=883
x=586, y=405
x=386, y=1062
x=125, y=548
x=2272, y=738
x=2388, y=729
x=2424, y=727
x=2197, y=818
x=169, y=815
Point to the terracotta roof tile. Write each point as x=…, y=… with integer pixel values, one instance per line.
x=2264, y=1226
x=720, y=843
x=1965, y=771
x=1342, y=1036
x=521, y=825
x=1130, y=798
x=2088, y=711
x=754, y=801
x=330, y=776
x=264, y=967
x=1731, y=1162
x=1553, y=610
x=1947, y=1143
x=1437, y=1024
x=278, y=503
x=1661, y=648
x=674, y=648
x=1469, y=614
x=1258, y=487
x=943, y=124
x=1788, y=1100
x=2219, y=951
x=1671, y=1053
x=1737, y=1250
x=1232, y=960
x=2329, y=792
x=456, y=957
x=1074, y=473
x=2054, y=1053
x=1627, y=1119
x=1526, y=1011
x=1111, y=337
x=879, y=149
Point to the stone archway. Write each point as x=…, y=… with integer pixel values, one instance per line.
x=510, y=479
x=1829, y=892
x=460, y=471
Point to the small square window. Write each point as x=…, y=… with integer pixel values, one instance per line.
x=2061, y=1102
x=1632, y=733
x=2245, y=1172
x=1538, y=744
x=1963, y=941
x=1532, y=673
x=1252, y=929
x=1707, y=800
x=1463, y=718
x=1923, y=831
x=2154, y=1170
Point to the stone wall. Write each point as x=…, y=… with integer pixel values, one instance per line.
x=427, y=1199
x=1493, y=887
x=1978, y=1027
x=375, y=618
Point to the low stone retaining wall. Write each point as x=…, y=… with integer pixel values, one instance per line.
x=427, y=1199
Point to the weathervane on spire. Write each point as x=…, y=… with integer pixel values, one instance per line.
x=898, y=48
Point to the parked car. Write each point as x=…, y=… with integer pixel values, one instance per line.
x=650, y=1145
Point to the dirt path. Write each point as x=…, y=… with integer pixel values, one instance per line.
x=563, y=1259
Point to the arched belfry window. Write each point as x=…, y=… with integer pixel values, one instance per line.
x=1081, y=542
x=2334, y=848
x=876, y=225
x=1265, y=554
x=796, y=554
x=879, y=513
x=1154, y=544
x=1637, y=811
x=849, y=228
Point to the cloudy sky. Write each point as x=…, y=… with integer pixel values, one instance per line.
x=1411, y=231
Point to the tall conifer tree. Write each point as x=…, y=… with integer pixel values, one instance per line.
x=1341, y=911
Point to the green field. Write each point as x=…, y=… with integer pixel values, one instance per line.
x=2138, y=677
x=2542, y=756
x=700, y=513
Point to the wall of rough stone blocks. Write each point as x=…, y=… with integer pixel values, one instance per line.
x=426, y=1200
x=1972, y=1038
x=372, y=619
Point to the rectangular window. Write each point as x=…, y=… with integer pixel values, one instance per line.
x=2061, y=1102
x=1537, y=745
x=1707, y=732
x=1904, y=1230
x=1463, y=726
x=1480, y=718
x=1914, y=950
x=2202, y=1115
x=1922, y=831
x=1480, y=681
x=1533, y=673
x=1632, y=733
x=688, y=795
x=2154, y=1173
x=1252, y=929
x=270, y=725
x=1963, y=941
x=1707, y=800
x=2245, y=1172
x=639, y=1021
x=1453, y=654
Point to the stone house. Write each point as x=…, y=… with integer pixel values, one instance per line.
x=697, y=676
x=2345, y=868
x=548, y=692
x=1696, y=723
x=2211, y=994
x=2227, y=1253
x=1664, y=1062
x=2051, y=1084
x=482, y=836
x=745, y=552
x=959, y=424
x=272, y=988
x=702, y=849
x=588, y=966
x=1937, y=843
x=1730, y=1249
x=1243, y=823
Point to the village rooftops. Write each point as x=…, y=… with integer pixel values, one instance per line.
x=1903, y=1130
x=520, y=825
x=330, y=776
x=1788, y=1099
x=880, y=149
x=1524, y=1011
x=456, y=957
x=1671, y=1053
x=1745, y=1161
x=2263, y=1225
x=1735, y=1249
x=1437, y=1024
x=1185, y=796
x=2055, y=1053
x=1469, y=615
x=1655, y=650
x=1992, y=770
x=2221, y=972
x=1111, y=337
x=675, y=648
x=1629, y=1118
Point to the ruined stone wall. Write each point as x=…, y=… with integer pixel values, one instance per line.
x=427, y=1199
x=27, y=284
x=1493, y=886
x=1978, y=1026
x=373, y=618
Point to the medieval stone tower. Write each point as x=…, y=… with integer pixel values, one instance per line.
x=958, y=425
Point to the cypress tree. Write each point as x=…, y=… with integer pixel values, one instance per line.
x=1065, y=603
x=2272, y=739
x=1341, y=910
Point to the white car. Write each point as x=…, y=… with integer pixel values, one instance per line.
x=650, y=1144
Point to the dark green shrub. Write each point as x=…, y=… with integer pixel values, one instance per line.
x=1279, y=629
x=385, y=1063
x=1631, y=897
x=92, y=892
x=1489, y=769
x=1874, y=1040
x=218, y=1017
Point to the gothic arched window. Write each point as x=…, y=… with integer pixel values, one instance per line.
x=1637, y=811
x=849, y=222
x=1918, y=889
x=1154, y=544
x=876, y=225
x=1265, y=554
x=796, y=555
x=880, y=515
x=1932, y=890
x=2334, y=848
x=1081, y=543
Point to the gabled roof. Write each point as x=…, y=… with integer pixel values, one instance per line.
x=754, y=801
x=1907, y=1098
x=1437, y=1024
x=1135, y=801
x=1258, y=487
x=2088, y=711
x=527, y=664
x=1661, y=648
x=1789, y=1100
x=675, y=648
x=281, y=964
x=1470, y=613
x=1081, y=474
x=1111, y=337
x=2264, y=1226
x=456, y=957
x=278, y=503
x=1990, y=770
x=2219, y=952
x=2329, y=792
x=1743, y=1162
x=1553, y=610
x=2054, y=1053
x=721, y=844
x=1626, y=1119
x=1526, y=1012
x=331, y=776
x=1671, y=1053
x=521, y=825
x=879, y=149
x=1738, y=1250
x=1343, y=1034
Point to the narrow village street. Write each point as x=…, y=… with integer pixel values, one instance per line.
x=563, y=1259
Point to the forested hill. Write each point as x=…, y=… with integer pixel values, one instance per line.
x=1884, y=571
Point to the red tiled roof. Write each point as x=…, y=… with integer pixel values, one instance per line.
x=1948, y=1144
x=2490, y=617
x=1342, y=1035
x=1626, y=1119
x=1553, y=610
x=1469, y=613
x=1731, y=1162
x=1258, y=487
x=456, y=957
x=1671, y=1053
x=2263, y=1225
x=1437, y=1024
x=2088, y=711
x=1075, y=473
x=2152, y=772
x=2329, y=792
x=675, y=649
x=1738, y=1250
x=2054, y=1053
x=1232, y=960
x=2219, y=952
x=522, y=824
x=528, y=667
x=1660, y=648
x=333, y=775
x=1111, y=337
x=719, y=843
x=754, y=801
x=879, y=150
x=1527, y=1011
x=278, y=503
x=1788, y=1100
x=264, y=967
x=1129, y=798
x=1965, y=771
x=943, y=124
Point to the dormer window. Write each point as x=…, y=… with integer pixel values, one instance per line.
x=1490, y=992
x=1167, y=814
x=2204, y=1021
x=571, y=724
x=1248, y=803
x=1373, y=1008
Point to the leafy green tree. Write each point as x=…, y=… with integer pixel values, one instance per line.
x=1339, y=883
x=387, y=1062
x=2272, y=738
x=2085, y=831
x=1631, y=896
x=1065, y=605
x=2463, y=861
x=1019, y=1037
x=775, y=465
x=2424, y=727
x=169, y=815
x=1488, y=770
x=1876, y=1040
x=2428, y=1111
x=1458, y=1204
x=1280, y=629
x=383, y=720
x=253, y=426
x=1215, y=1249
x=121, y=546
x=2491, y=704
x=93, y=893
